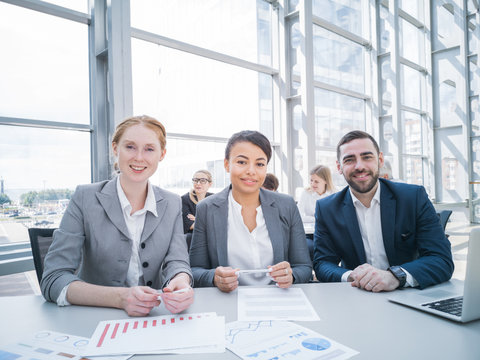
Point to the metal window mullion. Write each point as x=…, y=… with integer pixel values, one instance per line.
x=44, y=124
x=340, y=31
x=199, y=51
x=51, y=9
x=354, y=94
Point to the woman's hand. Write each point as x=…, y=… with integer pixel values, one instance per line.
x=225, y=278
x=282, y=274
x=139, y=300
x=191, y=217
x=178, y=295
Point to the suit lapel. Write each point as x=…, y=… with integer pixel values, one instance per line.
x=387, y=211
x=351, y=221
x=108, y=198
x=220, y=228
x=152, y=221
x=272, y=220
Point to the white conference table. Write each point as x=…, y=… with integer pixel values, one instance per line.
x=364, y=321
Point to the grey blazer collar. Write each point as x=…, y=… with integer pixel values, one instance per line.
x=108, y=198
x=272, y=220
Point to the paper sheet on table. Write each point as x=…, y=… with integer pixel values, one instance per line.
x=274, y=303
x=178, y=334
x=51, y=345
x=262, y=340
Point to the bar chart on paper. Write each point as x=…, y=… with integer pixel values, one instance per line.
x=161, y=334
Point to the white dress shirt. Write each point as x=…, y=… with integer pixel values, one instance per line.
x=307, y=202
x=248, y=250
x=370, y=224
x=135, y=223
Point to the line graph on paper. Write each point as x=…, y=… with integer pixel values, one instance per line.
x=242, y=332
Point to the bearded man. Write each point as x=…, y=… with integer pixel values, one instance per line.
x=384, y=235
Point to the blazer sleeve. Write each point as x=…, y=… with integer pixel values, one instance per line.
x=186, y=209
x=176, y=259
x=434, y=263
x=65, y=253
x=298, y=255
x=325, y=256
x=200, y=261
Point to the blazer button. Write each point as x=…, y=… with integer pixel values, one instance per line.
x=142, y=245
x=145, y=264
x=149, y=283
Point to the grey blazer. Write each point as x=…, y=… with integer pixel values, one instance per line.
x=284, y=225
x=93, y=244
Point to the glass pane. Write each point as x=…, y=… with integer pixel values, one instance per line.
x=475, y=116
x=476, y=159
x=412, y=133
x=44, y=64
x=472, y=37
x=292, y=5
x=295, y=48
x=413, y=168
x=387, y=89
x=39, y=168
x=412, y=7
x=411, y=43
x=474, y=76
x=412, y=87
x=335, y=115
x=447, y=32
x=337, y=61
x=385, y=29
x=447, y=78
x=237, y=28
x=77, y=5
x=472, y=6
x=195, y=95
x=184, y=158
x=346, y=14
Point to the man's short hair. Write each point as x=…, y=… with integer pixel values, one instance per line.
x=354, y=135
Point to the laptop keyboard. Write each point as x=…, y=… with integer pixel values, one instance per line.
x=451, y=306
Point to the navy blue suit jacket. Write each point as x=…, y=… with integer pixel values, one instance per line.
x=412, y=234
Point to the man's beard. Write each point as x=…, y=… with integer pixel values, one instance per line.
x=364, y=187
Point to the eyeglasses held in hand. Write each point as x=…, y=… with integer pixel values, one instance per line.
x=200, y=181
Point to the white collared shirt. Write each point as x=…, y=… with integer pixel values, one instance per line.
x=370, y=224
x=135, y=223
x=248, y=250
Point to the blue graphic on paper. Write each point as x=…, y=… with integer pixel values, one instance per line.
x=316, y=344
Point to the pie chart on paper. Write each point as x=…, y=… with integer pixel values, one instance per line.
x=316, y=344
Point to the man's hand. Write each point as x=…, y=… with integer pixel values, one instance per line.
x=369, y=278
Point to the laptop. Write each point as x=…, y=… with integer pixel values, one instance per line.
x=455, y=300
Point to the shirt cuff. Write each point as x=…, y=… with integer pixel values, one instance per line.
x=345, y=275
x=62, y=298
x=410, y=282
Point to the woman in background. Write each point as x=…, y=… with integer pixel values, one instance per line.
x=202, y=180
x=321, y=185
x=121, y=239
x=245, y=227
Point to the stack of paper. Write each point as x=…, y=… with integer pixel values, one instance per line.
x=178, y=334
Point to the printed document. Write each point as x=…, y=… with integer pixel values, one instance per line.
x=264, y=340
x=273, y=303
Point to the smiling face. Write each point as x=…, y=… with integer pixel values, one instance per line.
x=317, y=184
x=138, y=152
x=359, y=163
x=247, y=165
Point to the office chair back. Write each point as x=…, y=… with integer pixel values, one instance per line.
x=443, y=216
x=40, y=240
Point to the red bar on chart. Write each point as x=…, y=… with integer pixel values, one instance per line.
x=115, y=329
x=154, y=323
x=189, y=318
x=100, y=342
x=172, y=320
x=163, y=322
x=145, y=324
x=125, y=327
x=135, y=324
x=181, y=318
